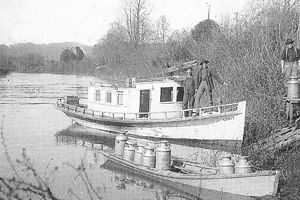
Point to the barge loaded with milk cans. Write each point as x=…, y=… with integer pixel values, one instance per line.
x=153, y=108
x=155, y=161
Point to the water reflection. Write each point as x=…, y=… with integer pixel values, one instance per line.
x=125, y=179
x=187, y=152
x=22, y=88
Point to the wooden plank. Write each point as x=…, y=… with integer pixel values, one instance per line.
x=184, y=66
x=278, y=140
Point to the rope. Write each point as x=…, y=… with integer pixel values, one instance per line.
x=260, y=94
x=190, y=155
x=278, y=99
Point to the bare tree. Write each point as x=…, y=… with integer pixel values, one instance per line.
x=162, y=28
x=136, y=14
x=117, y=32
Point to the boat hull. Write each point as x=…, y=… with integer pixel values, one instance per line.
x=184, y=191
x=226, y=129
x=252, y=184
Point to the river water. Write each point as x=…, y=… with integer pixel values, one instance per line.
x=31, y=123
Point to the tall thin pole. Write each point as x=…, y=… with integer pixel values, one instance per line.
x=208, y=11
x=298, y=31
x=236, y=22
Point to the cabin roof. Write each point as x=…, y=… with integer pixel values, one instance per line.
x=171, y=79
x=161, y=79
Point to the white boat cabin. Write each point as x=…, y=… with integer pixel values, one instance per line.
x=158, y=97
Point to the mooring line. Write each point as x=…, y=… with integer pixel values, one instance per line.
x=260, y=94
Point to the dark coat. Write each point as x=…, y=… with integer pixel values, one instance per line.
x=211, y=73
x=290, y=55
x=189, y=84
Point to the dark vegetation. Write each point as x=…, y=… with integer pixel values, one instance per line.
x=245, y=51
x=67, y=58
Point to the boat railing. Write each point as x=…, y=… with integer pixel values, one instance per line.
x=165, y=115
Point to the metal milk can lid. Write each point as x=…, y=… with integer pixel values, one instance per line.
x=149, y=147
x=121, y=137
x=140, y=145
x=243, y=163
x=293, y=79
x=140, y=148
x=226, y=160
x=130, y=145
x=131, y=142
x=163, y=146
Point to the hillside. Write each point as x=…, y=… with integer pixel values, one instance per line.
x=48, y=51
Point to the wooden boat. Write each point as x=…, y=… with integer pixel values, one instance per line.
x=165, y=189
x=252, y=184
x=95, y=143
x=200, y=180
x=153, y=108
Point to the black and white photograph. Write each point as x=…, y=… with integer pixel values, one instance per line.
x=150, y=100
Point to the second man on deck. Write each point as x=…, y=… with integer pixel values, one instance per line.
x=203, y=77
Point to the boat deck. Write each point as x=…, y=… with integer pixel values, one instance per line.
x=205, y=112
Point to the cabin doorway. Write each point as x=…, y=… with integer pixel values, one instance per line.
x=144, y=102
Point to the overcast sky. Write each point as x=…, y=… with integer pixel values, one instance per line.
x=86, y=21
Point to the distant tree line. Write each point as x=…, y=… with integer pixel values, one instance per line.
x=68, y=61
x=6, y=60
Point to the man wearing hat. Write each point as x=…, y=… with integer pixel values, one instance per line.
x=189, y=92
x=204, y=82
x=290, y=60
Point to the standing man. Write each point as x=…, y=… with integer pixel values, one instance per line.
x=189, y=92
x=204, y=82
x=290, y=60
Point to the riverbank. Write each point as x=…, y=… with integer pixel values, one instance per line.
x=286, y=160
x=4, y=71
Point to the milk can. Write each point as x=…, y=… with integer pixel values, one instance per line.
x=120, y=180
x=293, y=88
x=163, y=156
x=120, y=143
x=149, y=156
x=226, y=166
x=138, y=155
x=129, y=151
x=242, y=166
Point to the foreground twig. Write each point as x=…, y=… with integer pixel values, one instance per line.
x=16, y=187
x=82, y=173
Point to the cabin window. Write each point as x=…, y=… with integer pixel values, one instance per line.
x=179, y=94
x=120, y=98
x=166, y=94
x=98, y=95
x=108, y=97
